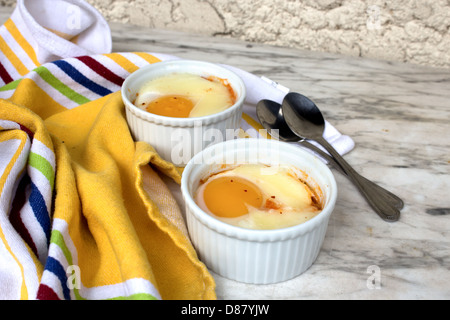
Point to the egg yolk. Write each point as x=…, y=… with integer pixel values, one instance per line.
x=171, y=106
x=231, y=197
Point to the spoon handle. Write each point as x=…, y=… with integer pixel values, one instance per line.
x=376, y=200
x=386, y=194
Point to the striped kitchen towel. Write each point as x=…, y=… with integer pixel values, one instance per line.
x=83, y=215
x=84, y=212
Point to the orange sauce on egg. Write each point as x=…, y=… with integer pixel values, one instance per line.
x=226, y=84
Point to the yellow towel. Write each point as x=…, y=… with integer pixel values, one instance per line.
x=108, y=226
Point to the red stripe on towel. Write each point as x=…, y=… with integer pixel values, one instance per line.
x=46, y=293
x=101, y=70
x=28, y=131
x=5, y=75
x=14, y=216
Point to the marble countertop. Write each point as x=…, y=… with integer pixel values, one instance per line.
x=398, y=115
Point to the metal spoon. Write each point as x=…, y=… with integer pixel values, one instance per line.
x=305, y=119
x=271, y=117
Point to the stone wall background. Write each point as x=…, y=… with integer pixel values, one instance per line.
x=415, y=31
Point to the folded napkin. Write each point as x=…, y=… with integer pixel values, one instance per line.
x=260, y=88
x=84, y=210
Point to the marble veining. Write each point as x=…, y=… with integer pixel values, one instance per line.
x=398, y=116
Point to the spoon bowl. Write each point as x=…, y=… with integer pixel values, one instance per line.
x=305, y=119
x=271, y=117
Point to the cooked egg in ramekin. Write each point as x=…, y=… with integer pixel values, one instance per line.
x=185, y=95
x=257, y=210
x=179, y=86
x=256, y=196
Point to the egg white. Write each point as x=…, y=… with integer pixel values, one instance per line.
x=208, y=97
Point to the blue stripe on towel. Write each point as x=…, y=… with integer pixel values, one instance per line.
x=55, y=267
x=81, y=79
x=40, y=210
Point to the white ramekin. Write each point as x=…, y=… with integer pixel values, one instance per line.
x=256, y=256
x=178, y=139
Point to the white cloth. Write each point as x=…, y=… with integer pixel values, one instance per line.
x=61, y=29
x=259, y=88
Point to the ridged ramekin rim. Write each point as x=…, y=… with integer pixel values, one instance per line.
x=183, y=122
